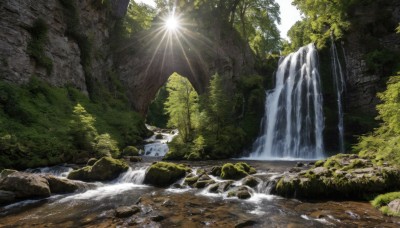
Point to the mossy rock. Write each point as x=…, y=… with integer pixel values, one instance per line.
x=130, y=151
x=191, y=180
x=5, y=172
x=105, y=169
x=237, y=171
x=135, y=159
x=91, y=161
x=163, y=174
x=241, y=193
x=216, y=171
x=388, y=203
x=203, y=183
x=251, y=181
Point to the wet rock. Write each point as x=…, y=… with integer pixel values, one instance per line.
x=216, y=171
x=91, y=161
x=25, y=185
x=394, y=206
x=135, y=159
x=246, y=223
x=339, y=177
x=203, y=184
x=220, y=187
x=251, y=181
x=163, y=174
x=6, y=197
x=191, y=180
x=294, y=170
x=157, y=218
x=243, y=194
x=123, y=212
x=105, y=169
x=6, y=172
x=236, y=171
x=130, y=151
x=159, y=136
x=58, y=185
x=299, y=164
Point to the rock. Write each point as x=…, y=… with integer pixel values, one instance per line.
x=299, y=164
x=203, y=184
x=250, y=181
x=25, y=185
x=5, y=172
x=135, y=159
x=163, y=174
x=130, y=151
x=191, y=180
x=340, y=177
x=157, y=218
x=159, y=136
x=237, y=171
x=394, y=206
x=246, y=223
x=123, y=212
x=58, y=185
x=6, y=197
x=91, y=161
x=243, y=194
x=220, y=187
x=294, y=170
x=216, y=171
x=105, y=169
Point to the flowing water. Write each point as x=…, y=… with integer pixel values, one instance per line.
x=340, y=87
x=294, y=120
x=157, y=144
x=186, y=207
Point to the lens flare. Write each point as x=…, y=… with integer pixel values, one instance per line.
x=172, y=23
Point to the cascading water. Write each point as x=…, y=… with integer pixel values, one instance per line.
x=294, y=120
x=340, y=87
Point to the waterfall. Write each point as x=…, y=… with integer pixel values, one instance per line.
x=340, y=87
x=294, y=120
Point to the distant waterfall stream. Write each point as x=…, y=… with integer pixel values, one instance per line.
x=340, y=87
x=294, y=120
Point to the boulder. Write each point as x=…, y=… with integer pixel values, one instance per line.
x=163, y=174
x=220, y=187
x=251, y=181
x=91, y=161
x=130, y=151
x=6, y=197
x=123, y=212
x=216, y=171
x=339, y=177
x=25, y=185
x=5, y=172
x=241, y=193
x=203, y=183
x=135, y=159
x=237, y=171
x=105, y=169
x=394, y=206
x=59, y=185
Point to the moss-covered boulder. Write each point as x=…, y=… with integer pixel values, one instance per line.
x=130, y=151
x=241, y=193
x=5, y=172
x=216, y=171
x=340, y=177
x=105, y=169
x=163, y=174
x=91, y=161
x=236, y=171
x=251, y=181
x=388, y=204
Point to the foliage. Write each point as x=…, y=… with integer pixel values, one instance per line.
x=181, y=105
x=384, y=141
x=35, y=124
x=106, y=146
x=383, y=200
x=156, y=115
x=82, y=128
x=36, y=45
x=224, y=120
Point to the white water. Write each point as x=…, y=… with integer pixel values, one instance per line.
x=340, y=87
x=159, y=147
x=294, y=120
x=135, y=176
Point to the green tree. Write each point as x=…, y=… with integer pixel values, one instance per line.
x=181, y=105
x=83, y=130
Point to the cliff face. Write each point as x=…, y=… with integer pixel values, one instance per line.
x=372, y=34
x=94, y=23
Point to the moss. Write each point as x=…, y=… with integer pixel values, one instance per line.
x=163, y=174
x=237, y=171
x=36, y=45
x=191, y=180
x=319, y=163
x=91, y=161
x=104, y=169
x=130, y=151
x=383, y=200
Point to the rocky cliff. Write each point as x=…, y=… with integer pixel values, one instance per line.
x=370, y=52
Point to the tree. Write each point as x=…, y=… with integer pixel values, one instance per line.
x=181, y=105
x=82, y=128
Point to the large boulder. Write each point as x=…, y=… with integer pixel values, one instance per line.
x=339, y=177
x=163, y=174
x=5, y=172
x=236, y=171
x=60, y=185
x=6, y=197
x=105, y=169
x=25, y=185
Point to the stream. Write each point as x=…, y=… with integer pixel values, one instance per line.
x=187, y=207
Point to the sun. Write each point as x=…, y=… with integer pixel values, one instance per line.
x=172, y=23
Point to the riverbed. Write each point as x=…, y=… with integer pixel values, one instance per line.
x=178, y=206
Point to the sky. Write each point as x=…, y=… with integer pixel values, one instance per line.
x=289, y=14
